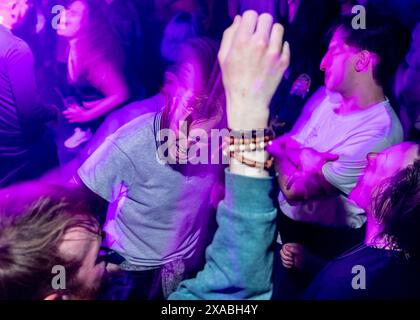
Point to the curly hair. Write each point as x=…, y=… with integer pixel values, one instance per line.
x=397, y=208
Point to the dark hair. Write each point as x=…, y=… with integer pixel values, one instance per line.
x=397, y=208
x=33, y=220
x=385, y=36
x=98, y=41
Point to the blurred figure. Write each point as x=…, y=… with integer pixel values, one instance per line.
x=124, y=19
x=157, y=212
x=407, y=89
x=306, y=23
x=346, y=6
x=406, y=12
x=95, y=68
x=181, y=27
x=26, y=148
x=240, y=6
x=186, y=22
x=218, y=19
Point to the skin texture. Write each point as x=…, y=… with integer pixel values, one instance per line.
x=381, y=166
x=13, y=12
x=253, y=60
x=73, y=20
x=82, y=245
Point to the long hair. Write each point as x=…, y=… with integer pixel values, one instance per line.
x=33, y=221
x=207, y=101
x=397, y=208
x=98, y=41
x=213, y=93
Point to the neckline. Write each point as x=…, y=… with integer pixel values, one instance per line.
x=360, y=113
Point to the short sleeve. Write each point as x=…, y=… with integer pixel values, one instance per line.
x=346, y=171
x=107, y=171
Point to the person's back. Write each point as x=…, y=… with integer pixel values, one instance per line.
x=11, y=135
x=12, y=51
x=22, y=117
x=367, y=273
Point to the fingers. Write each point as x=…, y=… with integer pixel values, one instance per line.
x=71, y=114
x=290, y=181
x=286, y=250
x=247, y=26
x=276, y=38
x=295, y=248
x=228, y=37
x=278, y=48
x=285, y=55
x=286, y=259
x=264, y=27
x=275, y=148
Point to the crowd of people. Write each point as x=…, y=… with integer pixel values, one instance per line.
x=109, y=114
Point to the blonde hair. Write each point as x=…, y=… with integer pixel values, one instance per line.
x=33, y=221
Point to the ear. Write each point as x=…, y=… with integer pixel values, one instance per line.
x=363, y=61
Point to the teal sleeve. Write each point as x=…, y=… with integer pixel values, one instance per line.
x=239, y=261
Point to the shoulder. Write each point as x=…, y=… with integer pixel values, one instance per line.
x=12, y=45
x=135, y=131
x=384, y=120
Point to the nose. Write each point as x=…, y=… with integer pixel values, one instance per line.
x=324, y=62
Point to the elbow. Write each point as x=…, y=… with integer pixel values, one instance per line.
x=122, y=96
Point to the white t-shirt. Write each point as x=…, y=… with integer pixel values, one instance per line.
x=351, y=137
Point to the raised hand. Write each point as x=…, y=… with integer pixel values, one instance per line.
x=253, y=59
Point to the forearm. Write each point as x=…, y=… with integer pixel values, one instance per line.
x=106, y=105
x=301, y=177
x=239, y=260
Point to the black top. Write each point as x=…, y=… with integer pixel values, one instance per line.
x=386, y=274
x=22, y=116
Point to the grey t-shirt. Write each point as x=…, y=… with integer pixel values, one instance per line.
x=155, y=211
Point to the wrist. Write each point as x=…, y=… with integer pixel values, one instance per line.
x=247, y=116
x=239, y=168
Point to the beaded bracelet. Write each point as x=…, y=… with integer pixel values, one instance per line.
x=253, y=163
x=249, y=141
